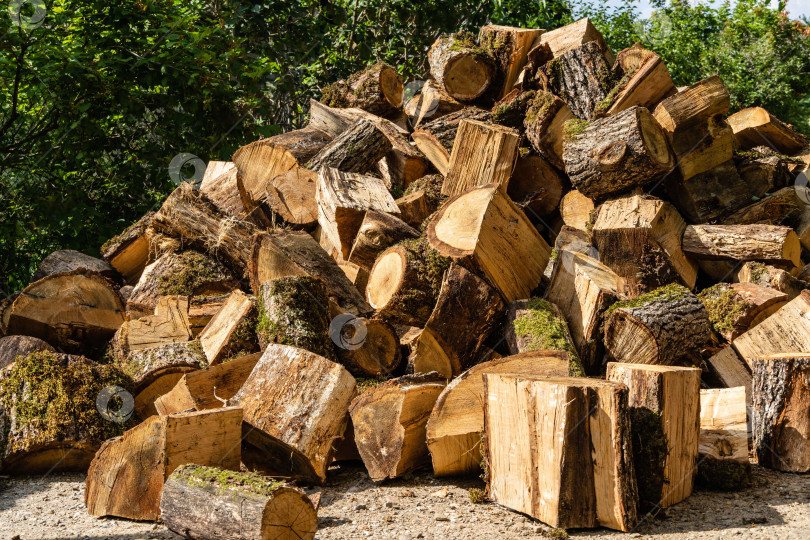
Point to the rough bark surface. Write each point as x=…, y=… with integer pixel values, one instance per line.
x=358, y=149
x=581, y=77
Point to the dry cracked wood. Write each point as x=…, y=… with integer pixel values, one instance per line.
x=576, y=34
x=581, y=77
x=231, y=330
x=435, y=139
x=723, y=449
x=168, y=324
x=357, y=150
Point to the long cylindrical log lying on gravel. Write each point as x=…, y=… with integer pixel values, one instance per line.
x=766, y=243
x=464, y=72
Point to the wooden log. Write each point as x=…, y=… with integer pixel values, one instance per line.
x=78, y=311
x=299, y=398
x=694, y=106
x=615, y=154
x=283, y=253
x=574, y=35
x=737, y=307
x=5, y=312
x=365, y=347
x=578, y=448
x=421, y=199
x=343, y=199
x=201, y=309
x=404, y=163
x=664, y=403
x=511, y=49
x=49, y=419
x=435, y=139
x=187, y=273
x=710, y=195
x=780, y=418
x=129, y=251
x=431, y=103
x=767, y=243
x=667, y=326
x=545, y=126
x=208, y=503
x=765, y=174
x=757, y=127
x=769, y=276
x=467, y=311
x=389, y=424
x=536, y=186
x=356, y=150
x=358, y=276
x=257, y=164
x=291, y=197
x=404, y=283
x=639, y=238
x=464, y=71
x=190, y=216
x=335, y=121
x=583, y=288
x=577, y=210
x=729, y=369
x=127, y=474
x=155, y=371
x=68, y=260
x=221, y=186
x=482, y=154
x=486, y=231
x=784, y=207
x=701, y=148
x=377, y=89
x=205, y=389
x=723, y=447
x=168, y=324
x=581, y=77
x=302, y=143
x=378, y=231
x=455, y=429
x=232, y=330
x=510, y=111
x=13, y=346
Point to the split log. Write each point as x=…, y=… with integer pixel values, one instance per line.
x=157, y=370
x=510, y=46
x=639, y=238
x=455, y=429
x=302, y=143
x=467, y=311
x=191, y=217
x=13, y=346
x=764, y=174
x=729, y=369
x=378, y=231
x=664, y=404
x=208, y=503
x=129, y=251
x=581, y=77
x=737, y=307
x=769, y=276
x=5, y=312
x=694, y=106
x=577, y=210
x=358, y=276
x=376, y=89
x=221, y=186
x=767, y=243
x=343, y=199
x=335, y=121
x=667, y=326
x=482, y=154
x=578, y=446
x=615, y=154
x=435, y=139
x=583, y=288
x=417, y=205
x=68, y=260
x=215, y=169
x=781, y=416
x=299, y=398
x=784, y=207
x=232, y=330
x=49, y=418
x=431, y=103
x=404, y=163
x=545, y=126
x=574, y=35
x=295, y=311
x=285, y=254
x=536, y=186
x=486, y=231
x=126, y=477
x=710, y=195
x=201, y=309
x=365, y=347
x=723, y=449
x=356, y=150
x=757, y=127
x=291, y=197
x=78, y=311
x=389, y=424
x=404, y=283
x=169, y=324
x=188, y=273
x=463, y=70
x=258, y=163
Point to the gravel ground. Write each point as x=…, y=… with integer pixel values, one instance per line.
x=353, y=507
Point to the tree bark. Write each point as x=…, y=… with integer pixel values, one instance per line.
x=536, y=186
x=737, y=307
x=756, y=127
x=357, y=150
x=464, y=73
x=574, y=35
x=767, y=243
x=581, y=77
x=13, y=346
x=129, y=251
x=68, y=260
x=511, y=47
x=376, y=89
x=544, y=122
x=302, y=143
x=769, y=276
x=377, y=232
x=431, y=103
x=710, y=195
x=435, y=139
x=365, y=347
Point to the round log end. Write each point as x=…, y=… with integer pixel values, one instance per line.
x=467, y=77
x=289, y=515
x=386, y=277
x=391, y=86
x=455, y=228
x=654, y=139
x=629, y=340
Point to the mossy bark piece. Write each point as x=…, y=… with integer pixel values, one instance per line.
x=421, y=199
x=544, y=122
x=509, y=47
x=736, y=307
x=464, y=70
x=12, y=347
x=667, y=326
x=581, y=77
x=376, y=89
x=510, y=111
x=769, y=276
x=48, y=412
x=215, y=504
x=295, y=311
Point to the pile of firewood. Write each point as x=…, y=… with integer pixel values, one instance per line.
x=551, y=265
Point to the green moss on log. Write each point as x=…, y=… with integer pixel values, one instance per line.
x=724, y=305
x=431, y=185
x=430, y=267
x=543, y=329
x=196, y=270
x=225, y=480
x=574, y=128
x=650, y=451
x=723, y=475
x=538, y=107
x=667, y=293
x=513, y=113
x=367, y=383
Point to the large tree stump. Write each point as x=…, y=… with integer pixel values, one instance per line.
x=487, y=232
x=232, y=330
x=299, y=398
x=128, y=252
x=545, y=126
x=664, y=405
x=208, y=503
x=581, y=77
x=356, y=150
x=737, y=307
x=757, y=127
x=455, y=429
x=49, y=418
x=13, y=346
x=389, y=424
x=615, y=154
x=577, y=445
x=723, y=448
x=126, y=477
x=376, y=88
x=765, y=243
x=667, y=326
x=435, y=139
x=460, y=67
x=378, y=231
x=781, y=416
